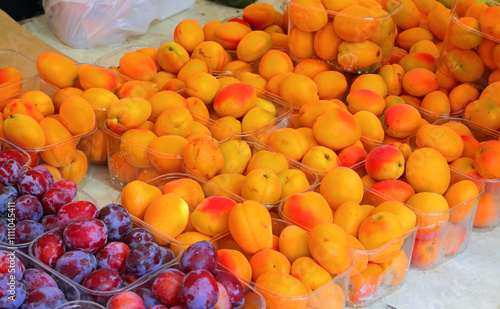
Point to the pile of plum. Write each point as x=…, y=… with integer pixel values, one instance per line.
x=30, y=288
x=99, y=249
x=195, y=283
x=29, y=200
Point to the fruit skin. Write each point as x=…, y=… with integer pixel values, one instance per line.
x=57, y=69
x=486, y=159
x=128, y=113
x=421, y=167
x=251, y=227
x=379, y=229
x=330, y=247
x=172, y=56
x=234, y=100
x=169, y=206
x=203, y=158
x=23, y=131
x=385, y=162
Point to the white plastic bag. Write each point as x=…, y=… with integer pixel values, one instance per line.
x=91, y=23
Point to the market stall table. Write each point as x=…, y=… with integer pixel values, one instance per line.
x=469, y=280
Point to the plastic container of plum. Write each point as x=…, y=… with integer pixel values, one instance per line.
x=70, y=291
x=253, y=299
x=467, y=52
x=120, y=164
x=311, y=176
x=488, y=209
x=81, y=195
x=70, y=157
x=360, y=44
x=442, y=234
x=102, y=297
x=209, y=189
x=331, y=295
x=394, y=258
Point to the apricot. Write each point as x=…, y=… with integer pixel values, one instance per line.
x=379, y=229
x=259, y=15
x=203, y=158
x=310, y=273
x=56, y=134
x=433, y=209
x=251, y=227
x=269, y=260
x=326, y=42
x=274, y=62
x=410, y=36
x=348, y=184
x=168, y=213
x=350, y=27
x=40, y=99
x=172, y=56
x=136, y=89
x=441, y=138
x=331, y=126
x=254, y=45
x=289, y=142
x=405, y=215
x=76, y=170
x=235, y=262
x=261, y=185
x=188, y=189
x=359, y=57
x=461, y=196
x=120, y=170
x=57, y=69
x=300, y=44
x=485, y=112
x=395, y=126
x=23, y=131
x=134, y=145
x=307, y=209
x=227, y=184
x=365, y=100
x=22, y=106
x=408, y=17
x=212, y=53
x=287, y=287
x=392, y=75
x=189, y=33
x=307, y=15
x=419, y=81
x=464, y=65
x=330, y=247
x=293, y=243
x=418, y=166
x=293, y=181
x=349, y=216
x=203, y=86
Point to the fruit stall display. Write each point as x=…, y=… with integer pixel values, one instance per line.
x=304, y=156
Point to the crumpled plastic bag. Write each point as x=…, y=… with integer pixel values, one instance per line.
x=92, y=23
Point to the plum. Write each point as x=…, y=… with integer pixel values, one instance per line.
x=85, y=234
x=200, y=255
x=198, y=290
x=48, y=248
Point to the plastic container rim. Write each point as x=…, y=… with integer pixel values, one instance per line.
x=386, y=16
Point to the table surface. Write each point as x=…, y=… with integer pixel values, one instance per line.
x=468, y=280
